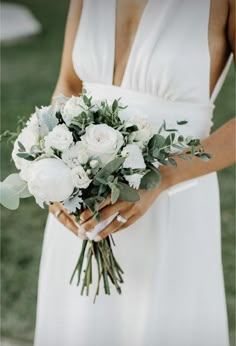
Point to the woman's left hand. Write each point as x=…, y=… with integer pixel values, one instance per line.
x=127, y=210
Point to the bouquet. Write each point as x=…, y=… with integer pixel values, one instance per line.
x=81, y=151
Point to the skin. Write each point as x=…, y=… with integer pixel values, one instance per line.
x=221, y=143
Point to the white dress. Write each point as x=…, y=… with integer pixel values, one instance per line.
x=173, y=293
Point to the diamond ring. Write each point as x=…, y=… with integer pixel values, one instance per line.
x=58, y=213
x=121, y=219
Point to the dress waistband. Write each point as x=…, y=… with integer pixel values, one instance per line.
x=198, y=115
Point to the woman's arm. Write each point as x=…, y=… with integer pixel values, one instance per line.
x=221, y=145
x=68, y=84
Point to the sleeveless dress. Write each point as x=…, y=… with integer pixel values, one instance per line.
x=173, y=293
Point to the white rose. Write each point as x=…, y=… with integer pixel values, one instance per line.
x=29, y=136
x=134, y=180
x=134, y=157
x=145, y=128
x=72, y=108
x=80, y=178
x=59, y=138
x=50, y=181
x=102, y=142
x=75, y=155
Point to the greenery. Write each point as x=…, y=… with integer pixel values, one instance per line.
x=22, y=230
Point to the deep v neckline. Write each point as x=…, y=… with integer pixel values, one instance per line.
x=134, y=43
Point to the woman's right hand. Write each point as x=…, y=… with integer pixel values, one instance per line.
x=66, y=219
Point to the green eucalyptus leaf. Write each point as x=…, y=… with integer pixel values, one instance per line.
x=101, y=180
x=90, y=203
x=19, y=185
x=156, y=142
x=21, y=147
x=127, y=193
x=185, y=157
x=8, y=196
x=204, y=156
x=169, y=139
x=172, y=162
x=182, y=122
x=115, y=193
x=110, y=167
x=26, y=156
x=114, y=105
x=151, y=179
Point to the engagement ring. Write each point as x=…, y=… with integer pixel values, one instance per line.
x=121, y=219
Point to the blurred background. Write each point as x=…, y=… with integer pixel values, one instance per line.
x=29, y=69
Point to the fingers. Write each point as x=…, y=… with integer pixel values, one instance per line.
x=87, y=214
x=105, y=213
x=66, y=219
x=130, y=221
x=114, y=226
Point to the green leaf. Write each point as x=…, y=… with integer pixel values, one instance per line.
x=169, y=139
x=114, y=105
x=185, y=157
x=127, y=193
x=156, y=142
x=19, y=185
x=8, y=196
x=151, y=179
x=182, y=122
x=172, y=162
x=205, y=156
x=47, y=119
x=21, y=146
x=110, y=167
x=26, y=156
x=115, y=192
x=35, y=149
x=90, y=203
x=101, y=180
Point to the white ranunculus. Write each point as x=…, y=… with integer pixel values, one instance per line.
x=72, y=108
x=102, y=142
x=94, y=163
x=60, y=138
x=80, y=178
x=134, y=157
x=75, y=155
x=29, y=136
x=134, y=180
x=50, y=181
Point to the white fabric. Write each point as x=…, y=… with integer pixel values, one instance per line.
x=173, y=293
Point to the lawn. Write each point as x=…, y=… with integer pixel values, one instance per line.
x=29, y=72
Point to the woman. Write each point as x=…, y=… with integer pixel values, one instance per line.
x=168, y=60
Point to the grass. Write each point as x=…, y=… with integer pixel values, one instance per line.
x=29, y=72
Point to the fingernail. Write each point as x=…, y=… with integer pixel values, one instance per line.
x=97, y=238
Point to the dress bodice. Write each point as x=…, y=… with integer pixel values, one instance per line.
x=169, y=58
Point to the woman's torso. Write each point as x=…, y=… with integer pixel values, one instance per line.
x=128, y=17
x=175, y=50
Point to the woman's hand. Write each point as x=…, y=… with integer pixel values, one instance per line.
x=129, y=211
x=67, y=220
